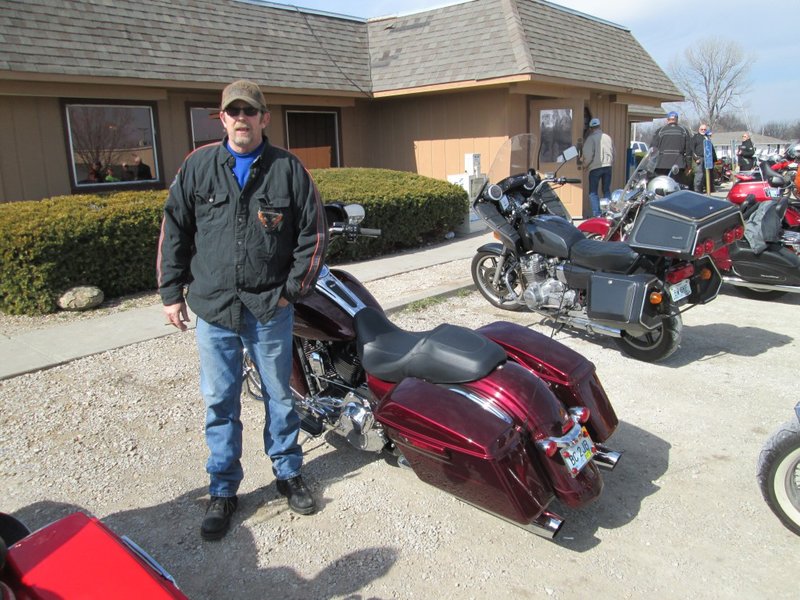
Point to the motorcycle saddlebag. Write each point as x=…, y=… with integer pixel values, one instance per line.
x=468, y=447
x=776, y=265
x=676, y=224
x=571, y=376
x=617, y=300
x=79, y=557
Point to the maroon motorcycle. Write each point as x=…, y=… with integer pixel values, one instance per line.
x=501, y=417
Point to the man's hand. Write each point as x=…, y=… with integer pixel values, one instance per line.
x=282, y=302
x=177, y=315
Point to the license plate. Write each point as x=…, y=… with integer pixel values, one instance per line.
x=680, y=290
x=773, y=192
x=578, y=454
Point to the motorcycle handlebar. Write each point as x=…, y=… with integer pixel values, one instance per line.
x=370, y=232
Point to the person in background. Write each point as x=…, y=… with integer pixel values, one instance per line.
x=244, y=229
x=598, y=158
x=110, y=177
x=746, y=153
x=698, y=156
x=673, y=142
x=141, y=171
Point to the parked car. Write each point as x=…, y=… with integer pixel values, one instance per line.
x=639, y=147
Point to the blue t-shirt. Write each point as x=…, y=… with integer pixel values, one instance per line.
x=243, y=162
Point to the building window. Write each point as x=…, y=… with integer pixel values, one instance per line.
x=111, y=144
x=205, y=125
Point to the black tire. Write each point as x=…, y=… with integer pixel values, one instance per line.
x=656, y=345
x=756, y=294
x=252, y=380
x=484, y=266
x=778, y=474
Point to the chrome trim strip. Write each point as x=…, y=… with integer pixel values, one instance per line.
x=332, y=287
x=485, y=404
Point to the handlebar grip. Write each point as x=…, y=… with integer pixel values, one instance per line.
x=365, y=231
x=571, y=180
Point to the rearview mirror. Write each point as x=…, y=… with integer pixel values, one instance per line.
x=355, y=213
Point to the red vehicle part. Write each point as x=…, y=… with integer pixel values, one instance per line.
x=79, y=557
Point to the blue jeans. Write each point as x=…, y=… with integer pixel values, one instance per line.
x=220, y=351
x=595, y=177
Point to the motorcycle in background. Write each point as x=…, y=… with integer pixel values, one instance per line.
x=778, y=472
x=773, y=181
x=633, y=292
x=764, y=264
x=501, y=417
x=77, y=557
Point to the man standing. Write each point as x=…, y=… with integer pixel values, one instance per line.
x=673, y=144
x=598, y=156
x=746, y=153
x=244, y=229
x=698, y=156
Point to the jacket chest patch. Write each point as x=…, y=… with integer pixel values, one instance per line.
x=270, y=219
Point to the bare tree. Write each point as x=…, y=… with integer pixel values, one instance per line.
x=783, y=130
x=712, y=74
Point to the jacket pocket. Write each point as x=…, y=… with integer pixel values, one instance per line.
x=211, y=211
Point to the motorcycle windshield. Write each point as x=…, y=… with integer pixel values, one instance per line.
x=642, y=174
x=515, y=157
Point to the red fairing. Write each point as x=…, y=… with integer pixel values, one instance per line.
x=570, y=375
x=79, y=557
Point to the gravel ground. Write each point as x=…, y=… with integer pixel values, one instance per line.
x=119, y=435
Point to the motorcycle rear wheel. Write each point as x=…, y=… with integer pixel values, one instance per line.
x=655, y=345
x=484, y=267
x=778, y=474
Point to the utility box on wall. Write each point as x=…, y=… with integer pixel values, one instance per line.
x=472, y=184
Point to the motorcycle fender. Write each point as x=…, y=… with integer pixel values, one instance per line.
x=460, y=441
x=595, y=226
x=492, y=247
x=571, y=376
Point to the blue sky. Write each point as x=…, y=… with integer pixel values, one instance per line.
x=665, y=30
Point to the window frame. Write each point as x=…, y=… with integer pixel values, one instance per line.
x=157, y=168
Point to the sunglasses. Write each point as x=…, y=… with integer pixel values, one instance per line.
x=235, y=111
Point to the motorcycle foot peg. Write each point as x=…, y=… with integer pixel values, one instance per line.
x=606, y=458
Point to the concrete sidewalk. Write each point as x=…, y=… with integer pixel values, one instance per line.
x=43, y=348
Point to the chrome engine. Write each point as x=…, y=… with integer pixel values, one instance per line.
x=338, y=401
x=791, y=239
x=545, y=287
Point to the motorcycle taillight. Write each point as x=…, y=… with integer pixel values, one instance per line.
x=680, y=273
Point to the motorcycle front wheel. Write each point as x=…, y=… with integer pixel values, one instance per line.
x=778, y=474
x=654, y=345
x=484, y=266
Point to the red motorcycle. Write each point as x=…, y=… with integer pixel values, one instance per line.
x=77, y=557
x=502, y=417
x=773, y=182
x=764, y=262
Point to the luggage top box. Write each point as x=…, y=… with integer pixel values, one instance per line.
x=679, y=222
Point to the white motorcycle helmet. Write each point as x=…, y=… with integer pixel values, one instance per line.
x=663, y=185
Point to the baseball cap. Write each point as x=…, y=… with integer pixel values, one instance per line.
x=243, y=90
x=594, y=122
x=672, y=115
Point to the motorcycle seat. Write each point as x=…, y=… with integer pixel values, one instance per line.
x=446, y=354
x=611, y=257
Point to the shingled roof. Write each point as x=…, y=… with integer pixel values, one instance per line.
x=485, y=39
x=203, y=42
x=198, y=41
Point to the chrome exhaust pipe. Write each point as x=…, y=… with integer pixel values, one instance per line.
x=795, y=289
x=546, y=525
x=605, y=458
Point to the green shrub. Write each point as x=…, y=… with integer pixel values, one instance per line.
x=110, y=240
x=409, y=209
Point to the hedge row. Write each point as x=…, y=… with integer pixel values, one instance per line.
x=110, y=240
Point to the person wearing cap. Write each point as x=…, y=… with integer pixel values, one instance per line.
x=746, y=153
x=598, y=157
x=673, y=142
x=244, y=233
